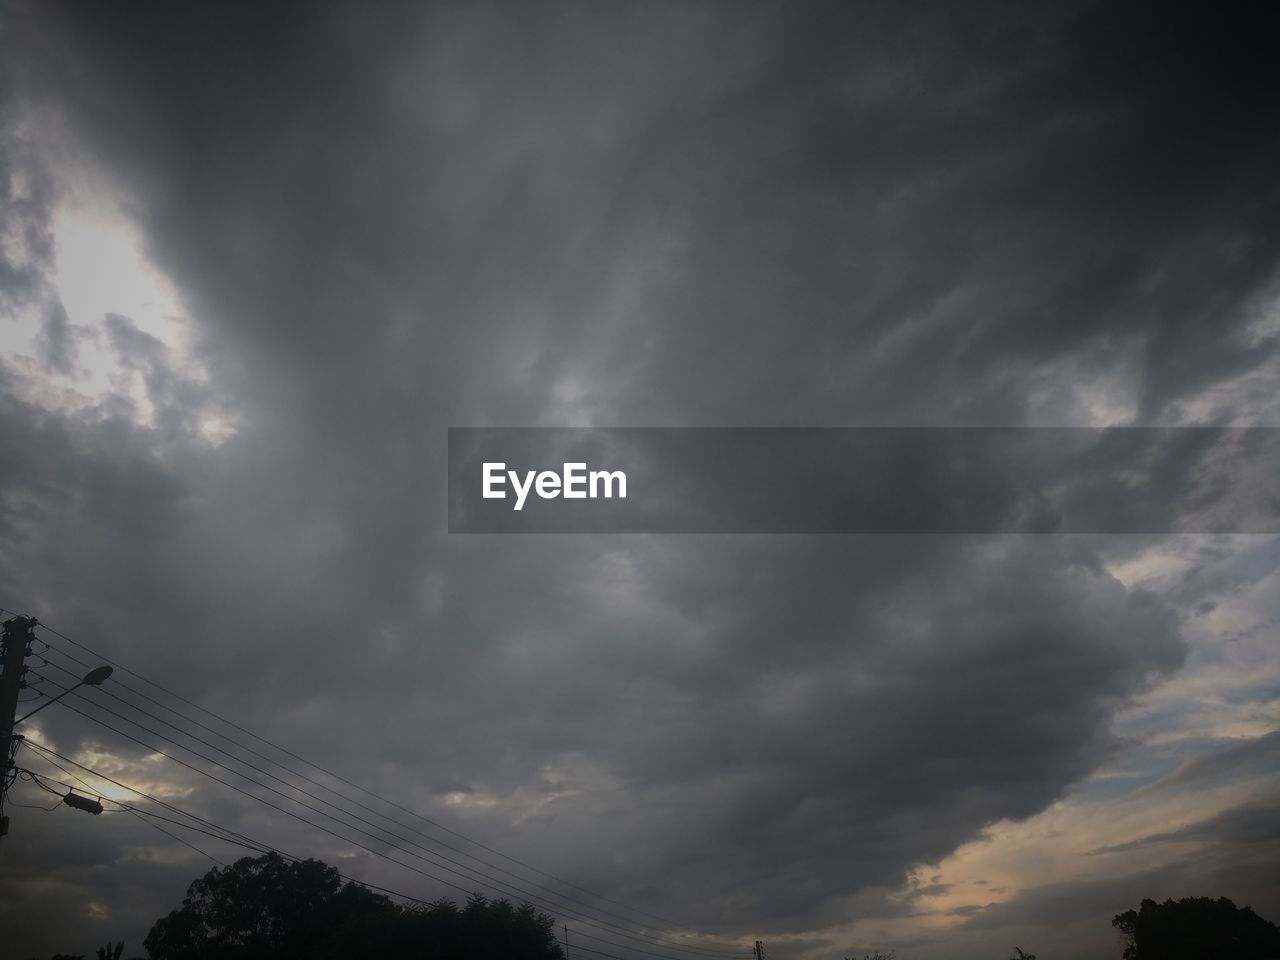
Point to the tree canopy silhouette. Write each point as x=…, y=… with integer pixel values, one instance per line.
x=1194, y=928
x=266, y=907
x=272, y=909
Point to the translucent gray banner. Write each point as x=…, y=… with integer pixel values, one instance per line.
x=864, y=480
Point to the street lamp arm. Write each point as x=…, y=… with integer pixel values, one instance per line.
x=92, y=679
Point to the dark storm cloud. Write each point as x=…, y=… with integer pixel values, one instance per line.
x=853, y=732
x=994, y=168
x=391, y=220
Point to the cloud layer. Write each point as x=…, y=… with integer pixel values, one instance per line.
x=384, y=222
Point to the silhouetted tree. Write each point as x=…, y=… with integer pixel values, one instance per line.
x=483, y=928
x=1021, y=955
x=1195, y=928
x=264, y=908
x=270, y=909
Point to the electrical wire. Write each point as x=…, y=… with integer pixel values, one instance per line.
x=313, y=796
x=467, y=870
x=142, y=818
x=231, y=836
x=494, y=886
x=21, y=773
x=137, y=814
x=33, y=806
x=338, y=777
x=216, y=831
x=266, y=848
x=29, y=776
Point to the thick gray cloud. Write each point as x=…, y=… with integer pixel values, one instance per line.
x=391, y=220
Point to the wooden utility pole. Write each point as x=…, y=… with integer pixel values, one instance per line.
x=16, y=640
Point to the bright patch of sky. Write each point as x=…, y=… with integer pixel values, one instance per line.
x=100, y=268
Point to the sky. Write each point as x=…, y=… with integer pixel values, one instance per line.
x=255, y=260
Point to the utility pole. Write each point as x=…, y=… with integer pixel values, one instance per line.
x=566, y=942
x=759, y=950
x=16, y=641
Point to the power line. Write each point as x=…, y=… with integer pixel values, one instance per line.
x=142, y=818
x=468, y=872
x=548, y=891
x=260, y=847
x=595, y=920
x=35, y=806
x=137, y=814
x=29, y=776
x=540, y=901
x=230, y=836
x=350, y=783
x=226, y=833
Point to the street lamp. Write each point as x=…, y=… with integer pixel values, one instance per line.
x=91, y=679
